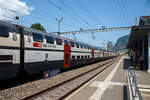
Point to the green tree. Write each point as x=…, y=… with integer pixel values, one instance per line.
x=38, y=26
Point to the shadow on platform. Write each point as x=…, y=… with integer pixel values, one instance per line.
x=126, y=63
x=125, y=93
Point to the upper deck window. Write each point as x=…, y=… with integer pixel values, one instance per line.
x=72, y=44
x=59, y=41
x=88, y=47
x=77, y=45
x=37, y=37
x=81, y=46
x=49, y=39
x=4, y=31
x=26, y=32
x=66, y=42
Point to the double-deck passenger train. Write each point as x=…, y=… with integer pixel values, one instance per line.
x=32, y=51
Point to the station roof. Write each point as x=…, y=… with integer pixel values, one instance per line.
x=138, y=33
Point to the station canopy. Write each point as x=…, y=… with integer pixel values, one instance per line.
x=139, y=32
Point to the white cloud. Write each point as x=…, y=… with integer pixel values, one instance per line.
x=11, y=8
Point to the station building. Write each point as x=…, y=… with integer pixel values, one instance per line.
x=109, y=46
x=139, y=44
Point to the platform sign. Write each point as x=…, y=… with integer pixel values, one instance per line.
x=50, y=73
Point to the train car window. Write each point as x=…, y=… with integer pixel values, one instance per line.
x=17, y=31
x=9, y=29
x=73, y=57
x=87, y=47
x=88, y=56
x=37, y=37
x=26, y=32
x=72, y=44
x=66, y=58
x=85, y=57
x=49, y=39
x=66, y=42
x=12, y=30
x=59, y=41
x=82, y=57
x=78, y=57
x=81, y=46
x=77, y=45
x=4, y=31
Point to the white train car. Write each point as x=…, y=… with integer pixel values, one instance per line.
x=26, y=50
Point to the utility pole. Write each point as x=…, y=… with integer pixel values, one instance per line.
x=93, y=37
x=135, y=21
x=59, y=20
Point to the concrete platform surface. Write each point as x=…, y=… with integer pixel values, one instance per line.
x=111, y=84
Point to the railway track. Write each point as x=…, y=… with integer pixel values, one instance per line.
x=63, y=89
x=6, y=84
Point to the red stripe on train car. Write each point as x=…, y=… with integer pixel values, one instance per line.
x=37, y=45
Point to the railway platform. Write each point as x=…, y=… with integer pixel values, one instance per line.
x=112, y=84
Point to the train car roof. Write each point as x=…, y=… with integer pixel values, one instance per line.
x=41, y=32
x=85, y=44
x=80, y=43
x=8, y=24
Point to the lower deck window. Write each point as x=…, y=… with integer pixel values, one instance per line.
x=85, y=57
x=82, y=57
x=78, y=57
x=73, y=57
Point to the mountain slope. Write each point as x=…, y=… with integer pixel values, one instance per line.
x=121, y=43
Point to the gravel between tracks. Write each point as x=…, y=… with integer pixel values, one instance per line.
x=22, y=91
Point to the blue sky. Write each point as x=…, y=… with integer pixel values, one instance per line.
x=111, y=13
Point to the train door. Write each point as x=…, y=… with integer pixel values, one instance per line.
x=66, y=54
x=92, y=55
